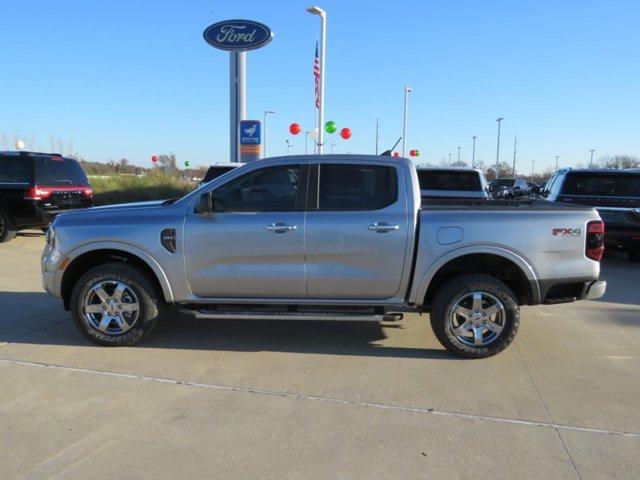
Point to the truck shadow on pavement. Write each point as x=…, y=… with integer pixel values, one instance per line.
x=37, y=319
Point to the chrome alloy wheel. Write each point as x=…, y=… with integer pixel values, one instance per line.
x=477, y=319
x=111, y=307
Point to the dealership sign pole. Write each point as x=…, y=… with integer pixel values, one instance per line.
x=236, y=37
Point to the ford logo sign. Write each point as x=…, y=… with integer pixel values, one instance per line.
x=237, y=35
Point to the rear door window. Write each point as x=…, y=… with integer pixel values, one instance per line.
x=15, y=170
x=356, y=187
x=448, y=180
x=52, y=171
x=602, y=184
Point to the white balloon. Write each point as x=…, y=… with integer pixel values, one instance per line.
x=19, y=145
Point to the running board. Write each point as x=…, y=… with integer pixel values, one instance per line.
x=335, y=317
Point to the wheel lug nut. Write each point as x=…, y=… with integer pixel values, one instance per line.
x=104, y=307
x=484, y=322
x=477, y=311
x=484, y=314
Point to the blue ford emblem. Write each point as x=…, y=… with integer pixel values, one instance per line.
x=237, y=35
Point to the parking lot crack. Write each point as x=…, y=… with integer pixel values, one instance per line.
x=546, y=410
x=320, y=398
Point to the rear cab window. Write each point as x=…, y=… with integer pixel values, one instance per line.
x=602, y=184
x=355, y=187
x=56, y=171
x=449, y=180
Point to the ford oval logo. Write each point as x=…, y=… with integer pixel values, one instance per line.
x=237, y=35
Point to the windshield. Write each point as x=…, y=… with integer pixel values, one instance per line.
x=215, y=172
x=603, y=184
x=449, y=180
x=50, y=170
x=502, y=182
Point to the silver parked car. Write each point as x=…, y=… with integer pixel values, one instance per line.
x=340, y=237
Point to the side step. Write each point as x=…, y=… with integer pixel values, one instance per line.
x=336, y=317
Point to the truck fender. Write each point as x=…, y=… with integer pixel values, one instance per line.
x=420, y=291
x=133, y=250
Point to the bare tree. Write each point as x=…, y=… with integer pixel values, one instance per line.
x=619, y=161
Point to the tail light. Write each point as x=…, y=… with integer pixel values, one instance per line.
x=595, y=240
x=37, y=193
x=87, y=192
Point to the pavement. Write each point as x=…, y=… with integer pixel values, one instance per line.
x=287, y=400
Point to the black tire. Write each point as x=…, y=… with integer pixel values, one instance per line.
x=634, y=257
x=455, y=289
x=6, y=232
x=149, y=301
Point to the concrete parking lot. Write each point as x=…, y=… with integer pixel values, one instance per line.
x=253, y=399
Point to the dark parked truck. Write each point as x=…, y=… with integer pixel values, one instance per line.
x=342, y=237
x=616, y=195
x=35, y=187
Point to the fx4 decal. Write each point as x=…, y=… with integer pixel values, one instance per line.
x=566, y=232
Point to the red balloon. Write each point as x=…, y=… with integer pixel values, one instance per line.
x=396, y=154
x=294, y=129
x=345, y=133
x=412, y=153
x=154, y=158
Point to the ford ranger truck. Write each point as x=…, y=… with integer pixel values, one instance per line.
x=322, y=237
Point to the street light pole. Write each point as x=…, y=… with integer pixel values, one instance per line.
x=459, y=156
x=377, y=134
x=473, y=152
x=407, y=90
x=499, y=120
x=323, y=30
x=289, y=146
x=557, y=162
x=449, y=159
x=332, y=145
x=266, y=112
x=591, y=161
x=515, y=143
x=533, y=163
x=306, y=141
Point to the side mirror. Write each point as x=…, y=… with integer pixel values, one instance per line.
x=204, y=205
x=516, y=188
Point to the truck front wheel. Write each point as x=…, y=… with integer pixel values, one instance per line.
x=475, y=316
x=115, y=304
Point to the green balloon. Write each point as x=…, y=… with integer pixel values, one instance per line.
x=186, y=164
x=330, y=127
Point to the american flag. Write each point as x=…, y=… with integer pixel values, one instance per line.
x=316, y=74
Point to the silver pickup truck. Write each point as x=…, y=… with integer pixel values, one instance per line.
x=341, y=237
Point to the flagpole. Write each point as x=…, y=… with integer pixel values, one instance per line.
x=323, y=30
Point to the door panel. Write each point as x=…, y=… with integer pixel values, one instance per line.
x=252, y=245
x=356, y=253
x=235, y=255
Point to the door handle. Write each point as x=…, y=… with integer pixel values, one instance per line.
x=281, y=228
x=382, y=227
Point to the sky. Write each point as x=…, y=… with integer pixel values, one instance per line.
x=123, y=79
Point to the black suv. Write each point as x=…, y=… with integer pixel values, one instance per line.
x=509, y=189
x=615, y=194
x=34, y=187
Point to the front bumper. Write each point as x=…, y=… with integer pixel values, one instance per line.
x=595, y=290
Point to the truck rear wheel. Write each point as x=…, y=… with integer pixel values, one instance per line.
x=115, y=304
x=475, y=316
x=6, y=233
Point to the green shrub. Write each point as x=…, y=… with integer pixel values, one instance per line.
x=130, y=188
